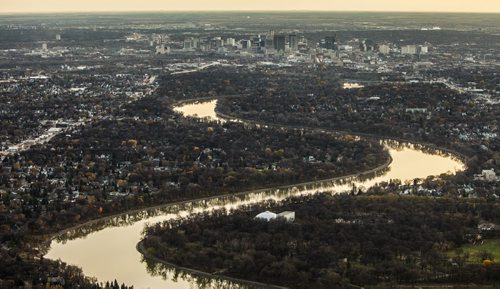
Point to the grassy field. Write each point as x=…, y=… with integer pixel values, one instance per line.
x=492, y=246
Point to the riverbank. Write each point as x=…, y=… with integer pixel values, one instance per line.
x=372, y=224
x=366, y=173
x=140, y=247
x=373, y=171
x=203, y=99
x=452, y=153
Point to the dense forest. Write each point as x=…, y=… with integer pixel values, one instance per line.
x=334, y=241
x=420, y=112
x=113, y=165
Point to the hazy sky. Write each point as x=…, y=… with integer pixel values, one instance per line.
x=8, y=6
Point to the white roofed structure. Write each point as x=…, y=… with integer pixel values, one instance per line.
x=268, y=216
x=289, y=216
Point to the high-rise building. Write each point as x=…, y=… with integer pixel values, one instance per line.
x=269, y=44
x=293, y=42
x=409, y=49
x=279, y=42
x=367, y=45
x=188, y=43
x=44, y=46
x=302, y=39
x=258, y=44
x=246, y=44
x=330, y=43
x=422, y=49
x=217, y=43
x=384, y=49
x=58, y=37
x=192, y=43
x=230, y=42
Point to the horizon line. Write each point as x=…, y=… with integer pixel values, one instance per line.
x=240, y=11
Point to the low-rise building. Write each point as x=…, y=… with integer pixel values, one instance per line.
x=487, y=175
x=288, y=216
x=267, y=216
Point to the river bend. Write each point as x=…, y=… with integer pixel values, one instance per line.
x=106, y=249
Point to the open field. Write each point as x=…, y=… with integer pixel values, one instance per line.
x=492, y=246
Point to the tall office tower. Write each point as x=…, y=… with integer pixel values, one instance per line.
x=330, y=43
x=279, y=42
x=246, y=44
x=188, y=43
x=269, y=39
x=216, y=43
x=293, y=42
x=257, y=44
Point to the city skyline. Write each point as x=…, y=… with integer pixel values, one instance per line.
x=48, y=6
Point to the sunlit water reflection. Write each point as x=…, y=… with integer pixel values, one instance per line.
x=107, y=249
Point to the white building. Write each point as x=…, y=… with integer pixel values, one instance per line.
x=409, y=50
x=191, y=43
x=288, y=216
x=488, y=175
x=345, y=47
x=267, y=216
x=384, y=49
x=422, y=49
x=231, y=42
x=416, y=110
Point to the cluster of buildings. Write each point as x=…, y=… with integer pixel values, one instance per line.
x=403, y=50
x=272, y=43
x=269, y=43
x=32, y=112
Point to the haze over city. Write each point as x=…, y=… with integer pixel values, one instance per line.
x=46, y=6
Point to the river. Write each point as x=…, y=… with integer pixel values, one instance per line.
x=106, y=249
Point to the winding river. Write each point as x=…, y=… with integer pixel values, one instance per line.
x=106, y=249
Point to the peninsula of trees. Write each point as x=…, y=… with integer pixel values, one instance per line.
x=335, y=241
